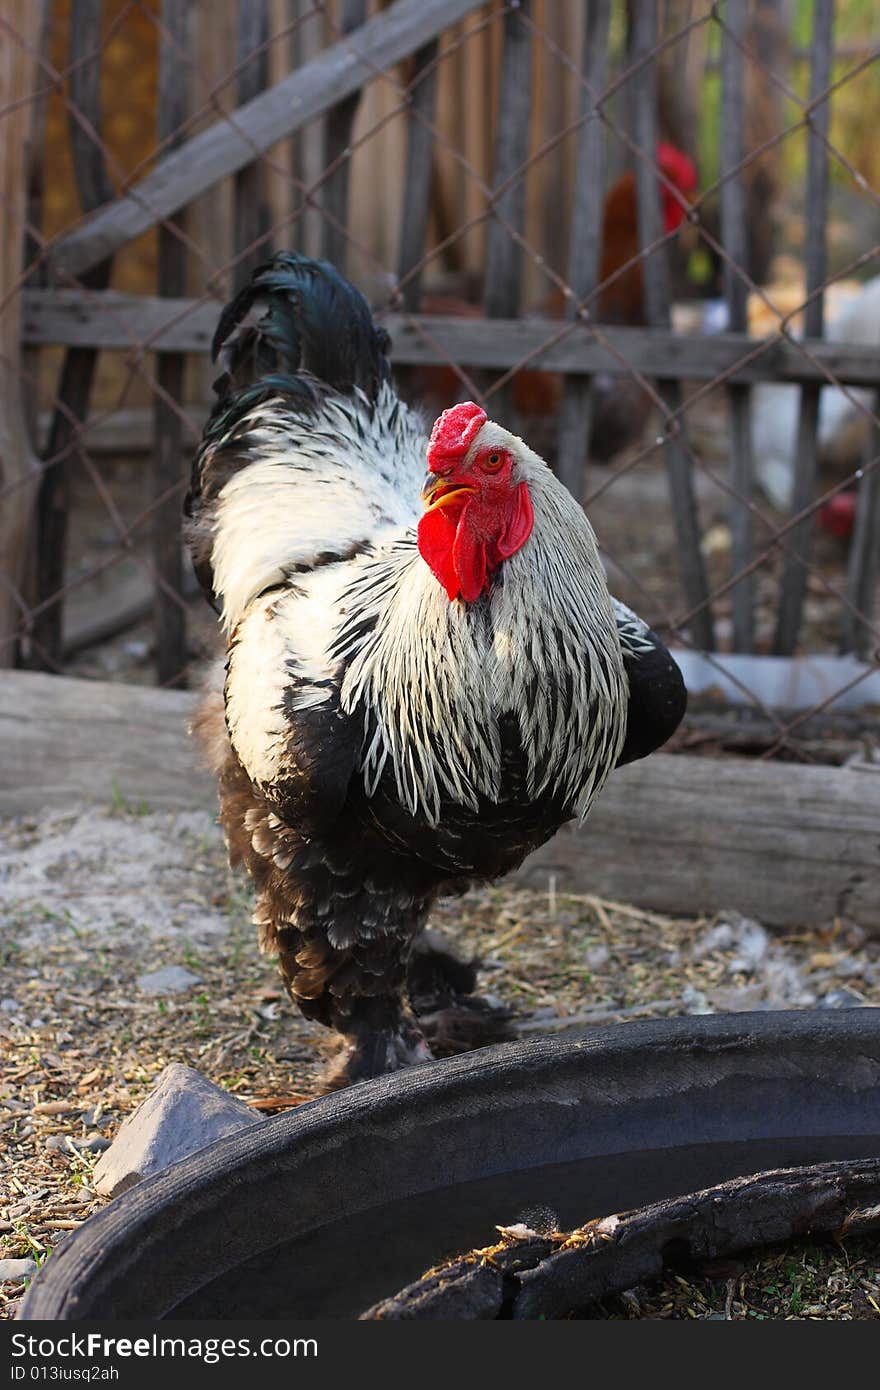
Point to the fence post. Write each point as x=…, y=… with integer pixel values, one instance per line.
x=19, y=470
x=503, y=254
x=586, y=241
x=78, y=369
x=864, y=555
x=339, y=125
x=307, y=41
x=170, y=610
x=794, y=576
x=417, y=177
x=655, y=269
x=735, y=242
x=251, y=212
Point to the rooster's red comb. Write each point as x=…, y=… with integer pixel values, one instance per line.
x=453, y=434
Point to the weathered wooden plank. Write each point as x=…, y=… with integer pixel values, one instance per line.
x=735, y=240
x=132, y=431
x=800, y=541
x=125, y=322
x=586, y=240
x=226, y=147
x=169, y=611
x=644, y=36
x=787, y=844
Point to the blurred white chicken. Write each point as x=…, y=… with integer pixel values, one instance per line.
x=775, y=407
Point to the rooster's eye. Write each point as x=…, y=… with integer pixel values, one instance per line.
x=492, y=462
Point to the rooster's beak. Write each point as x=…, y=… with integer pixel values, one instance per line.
x=441, y=492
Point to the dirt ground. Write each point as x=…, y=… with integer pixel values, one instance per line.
x=95, y=898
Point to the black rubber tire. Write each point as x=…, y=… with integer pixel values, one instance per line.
x=323, y=1210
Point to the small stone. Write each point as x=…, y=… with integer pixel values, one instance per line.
x=57, y=1143
x=10, y=1006
x=695, y=1001
x=94, y=1143
x=16, y=1270
x=596, y=956
x=842, y=999
x=171, y=979
x=183, y=1113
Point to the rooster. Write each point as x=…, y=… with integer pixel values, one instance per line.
x=424, y=679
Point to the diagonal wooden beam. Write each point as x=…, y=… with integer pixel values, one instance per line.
x=235, y=141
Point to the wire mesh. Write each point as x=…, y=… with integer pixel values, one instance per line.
x=485, y=162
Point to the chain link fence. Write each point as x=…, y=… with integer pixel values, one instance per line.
x=643, y=235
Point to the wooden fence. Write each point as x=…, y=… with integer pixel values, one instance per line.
x=409, y=47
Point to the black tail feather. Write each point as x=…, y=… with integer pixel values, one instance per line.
x=297, y=316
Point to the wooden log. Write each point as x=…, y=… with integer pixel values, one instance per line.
x=226, y=147
x=785, y=844
x=789, y=845
x=36, y=140
x=644, y=37
x=126, y=321
x=794, y=575
x=742, y=1214
x=169, y=609
x=64, y=739
x=560, y=1273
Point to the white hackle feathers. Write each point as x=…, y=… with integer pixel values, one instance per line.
x=435, y=678
x=312, y=488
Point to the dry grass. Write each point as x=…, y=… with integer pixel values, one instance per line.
x=803, y=1280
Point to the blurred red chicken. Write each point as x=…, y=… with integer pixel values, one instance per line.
x=620, y=406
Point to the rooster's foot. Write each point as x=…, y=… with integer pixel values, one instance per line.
x=375, y=1052
x=467, y=1023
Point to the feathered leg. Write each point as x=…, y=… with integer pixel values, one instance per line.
x=360, y=992
x=342, y=940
